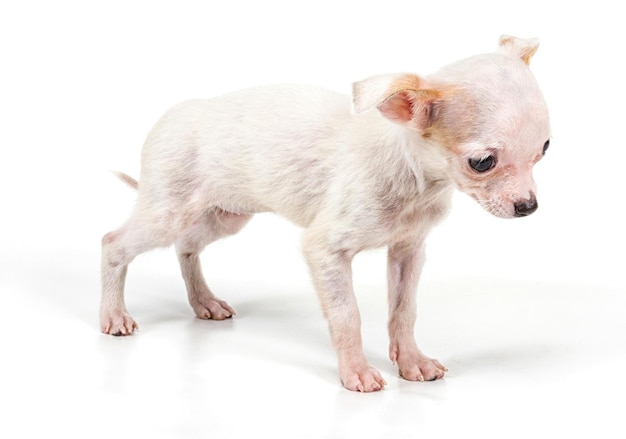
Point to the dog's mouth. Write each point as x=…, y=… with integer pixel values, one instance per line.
x=495, y=207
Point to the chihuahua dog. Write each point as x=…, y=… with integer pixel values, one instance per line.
x=373, y=171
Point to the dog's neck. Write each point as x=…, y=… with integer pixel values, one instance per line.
x=415, y=184
x=425, y=160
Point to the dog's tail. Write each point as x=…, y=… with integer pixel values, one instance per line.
x=127, y=179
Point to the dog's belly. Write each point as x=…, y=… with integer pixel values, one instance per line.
x=298, y=202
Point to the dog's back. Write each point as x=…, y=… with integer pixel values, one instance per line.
x=266, y=143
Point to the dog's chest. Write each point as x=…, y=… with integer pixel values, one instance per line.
x=409, y=215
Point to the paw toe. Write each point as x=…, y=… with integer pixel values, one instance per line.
x=214, y=310
x=118, y=323
x=427, y=370
x=366, y=381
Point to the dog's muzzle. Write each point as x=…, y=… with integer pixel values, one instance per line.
x=526, y=207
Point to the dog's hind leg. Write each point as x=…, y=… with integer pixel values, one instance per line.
x=146, y=229
x=211, y=226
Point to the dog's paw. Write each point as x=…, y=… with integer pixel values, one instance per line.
x=212, y=308
x=117, y=322
x=426, y=370
x=367, y=379
x=413, y=365
x=422, y=369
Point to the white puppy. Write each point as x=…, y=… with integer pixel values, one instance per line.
x=380, y=175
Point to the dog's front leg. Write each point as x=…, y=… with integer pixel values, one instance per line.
x=404, y=265
x=332, y=276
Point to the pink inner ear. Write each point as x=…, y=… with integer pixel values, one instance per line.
x=398, y=108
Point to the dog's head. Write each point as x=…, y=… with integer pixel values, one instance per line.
x=487, y=116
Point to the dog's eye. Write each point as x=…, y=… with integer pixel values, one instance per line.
x=546, y=146
x=482, y=165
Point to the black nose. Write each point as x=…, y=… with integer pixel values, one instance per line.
x=526, y=207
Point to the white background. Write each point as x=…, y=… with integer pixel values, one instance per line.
x=528, y=315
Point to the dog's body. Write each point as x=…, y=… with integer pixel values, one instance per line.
x=353, y=180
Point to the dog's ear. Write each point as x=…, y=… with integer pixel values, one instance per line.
x=522, y=48
x=405, y=99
